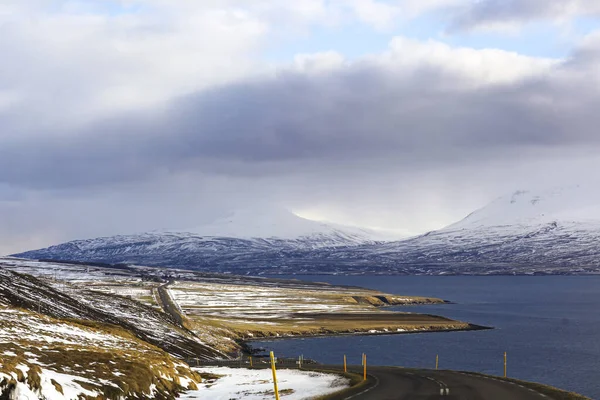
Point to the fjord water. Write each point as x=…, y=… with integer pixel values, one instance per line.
x=549, y=325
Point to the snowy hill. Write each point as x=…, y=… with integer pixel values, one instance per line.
x=556, y=231
x=256, y=238
x=279, y=223
x=551, y=232
x=575, y=204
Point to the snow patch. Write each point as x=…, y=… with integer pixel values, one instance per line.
x=258, y=384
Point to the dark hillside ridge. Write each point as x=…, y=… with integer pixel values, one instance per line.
x=555, y=250
x=27, y=292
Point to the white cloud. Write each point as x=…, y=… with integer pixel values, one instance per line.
x=480, y=67
x=375, y=13
x=72, y=65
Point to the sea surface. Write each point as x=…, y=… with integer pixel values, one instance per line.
x=549, y=326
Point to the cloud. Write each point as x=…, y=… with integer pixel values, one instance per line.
x=422, y=101
x=67, y=64
x=71, y=62
x=418, y=100
x=508, y=14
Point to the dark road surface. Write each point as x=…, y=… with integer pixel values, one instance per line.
x=395, y=383
x=168, y=305
x=407, y=384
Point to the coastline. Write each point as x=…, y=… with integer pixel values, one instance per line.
x=247, y=347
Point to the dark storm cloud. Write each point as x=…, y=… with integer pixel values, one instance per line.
x=426, y=116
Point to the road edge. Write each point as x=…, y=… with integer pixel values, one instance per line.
x=358, y=384
x=546, y=390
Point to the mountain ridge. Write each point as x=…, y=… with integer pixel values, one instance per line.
x=551, y=232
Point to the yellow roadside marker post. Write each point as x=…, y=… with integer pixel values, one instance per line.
x=345, y=369
x=364, y=367
x=505, y=364
x=437, y=361
x=274, y=376
x=251, y=362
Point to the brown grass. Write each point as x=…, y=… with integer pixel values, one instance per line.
x=324, y=325
x=247, y=314
x=141, y=365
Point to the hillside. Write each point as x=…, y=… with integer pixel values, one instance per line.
x=276, y=223
x=74, y=302
x=548, y=232
x=56, y=347
x=247, y=238
x=73, y=331
x=556, y=231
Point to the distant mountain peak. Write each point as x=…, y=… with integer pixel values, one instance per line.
x=264, y=234
x=258, y=222
x=572, y=204
x=279, y=223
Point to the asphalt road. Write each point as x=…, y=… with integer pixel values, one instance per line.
x=394, y=383
x=391, y=383
x=168, y=305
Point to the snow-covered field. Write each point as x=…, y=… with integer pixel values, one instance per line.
x=242, y=301
x=252, y=384
x=244, y=311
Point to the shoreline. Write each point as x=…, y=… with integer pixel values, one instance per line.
x=385, y=301
x=246, y=343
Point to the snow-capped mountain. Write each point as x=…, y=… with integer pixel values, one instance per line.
x=281, y=224
x=523, y=209
x=555, y=231
x=246, y=238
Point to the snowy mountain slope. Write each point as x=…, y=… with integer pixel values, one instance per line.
x=577, y=204
x=279, y=223
x=251, y=237
x=555, y=231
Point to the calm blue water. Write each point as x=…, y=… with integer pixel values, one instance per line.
x=550, y=327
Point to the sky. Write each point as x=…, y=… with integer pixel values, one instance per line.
x=124, y=116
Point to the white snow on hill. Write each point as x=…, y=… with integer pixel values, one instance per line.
x=275, y=222
x=553, y=231
x=576, y=204
x=244, y=238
